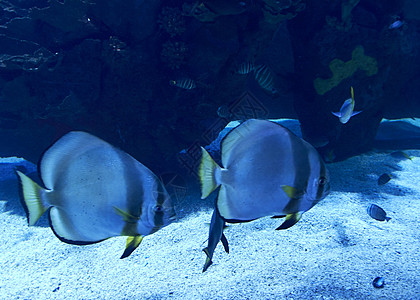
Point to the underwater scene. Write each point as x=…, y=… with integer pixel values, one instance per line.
x=210, y=149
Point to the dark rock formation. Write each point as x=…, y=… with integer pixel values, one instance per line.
x=105, y=67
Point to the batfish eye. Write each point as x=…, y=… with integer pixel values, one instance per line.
x=322, y=181
x=158, y=208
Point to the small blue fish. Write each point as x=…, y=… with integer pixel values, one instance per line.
x=396, y=24
x=346, y=110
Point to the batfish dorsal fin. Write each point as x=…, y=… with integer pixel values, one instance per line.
x=291, y=219
x=243, y=131
x=132, y=243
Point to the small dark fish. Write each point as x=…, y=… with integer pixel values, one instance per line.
x=401, y=155
x=377, y=213
x=384, y=178
x=184, y=83
x=378, y=282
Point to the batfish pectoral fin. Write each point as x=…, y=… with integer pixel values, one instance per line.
x=132, y=243
x=32, y=200
x=291, y=219
x=291, y=192
x=125, y=215
x=337, y=114
x=356, y=113
x=207, y=169
x=208, y=262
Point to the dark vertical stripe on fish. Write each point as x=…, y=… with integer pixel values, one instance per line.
x=158, y=214
x=322, y=176
x=302, y=167
x=134, y=195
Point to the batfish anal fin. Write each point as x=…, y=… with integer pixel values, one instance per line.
x=356, y=113
x=291, y=219
x=32, y=200
x=132, y=243
x=126, y=216
x=208, y=262
x=225, y=244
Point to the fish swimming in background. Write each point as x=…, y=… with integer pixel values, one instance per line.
x=384, y=178
x=245, y=68
x=264, y=78
x=401, y=155
x=94, y=191
x=267, y=171
x=377, y=213
x=184, y=83
x=346, y=110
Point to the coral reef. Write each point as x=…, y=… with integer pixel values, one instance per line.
x=346, y=19
x=208, y=11
x=341, y=70
x=278, y=11
x=172, y=21
x=173, y=54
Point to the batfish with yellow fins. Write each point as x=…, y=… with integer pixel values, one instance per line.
x=94, y=191
x=267, y=171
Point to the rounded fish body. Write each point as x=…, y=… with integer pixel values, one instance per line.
x=267, y=171
x=96, y=191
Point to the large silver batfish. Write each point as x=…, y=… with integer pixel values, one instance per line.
x=267, y=171
x=94, y=191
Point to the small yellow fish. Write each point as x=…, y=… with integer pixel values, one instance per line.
x=346, y=110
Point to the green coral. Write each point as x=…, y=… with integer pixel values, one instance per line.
x=342, y=70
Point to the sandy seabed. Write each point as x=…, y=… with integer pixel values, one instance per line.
x=334, y=252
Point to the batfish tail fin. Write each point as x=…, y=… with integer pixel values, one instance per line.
x=132, y=243
x=207, y=171
x=32, y=201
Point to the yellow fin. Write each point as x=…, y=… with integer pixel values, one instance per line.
x=132, y=243
x=207, y=169
x=290, y=191
x=208, y=262
x=352, y=94
x=125, y=215
x=32, y=198
x=291, y=219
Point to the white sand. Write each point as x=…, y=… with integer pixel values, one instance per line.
x=334, y=252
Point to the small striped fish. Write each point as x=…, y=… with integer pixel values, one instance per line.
x=264, y=78
x=184, y=83
x=245, y=68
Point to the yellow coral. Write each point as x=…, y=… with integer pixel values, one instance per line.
x=342, y=70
